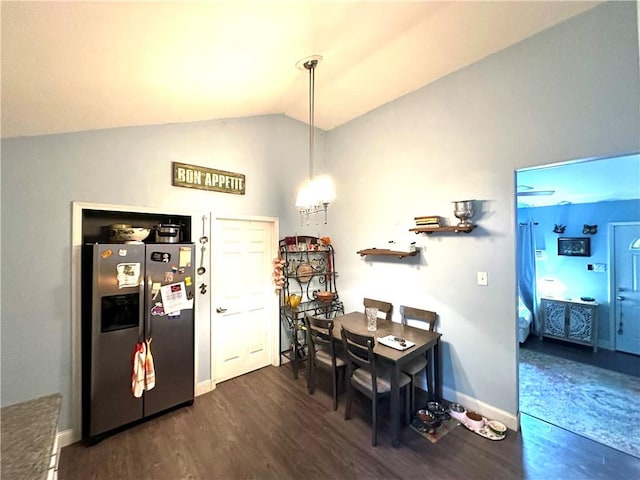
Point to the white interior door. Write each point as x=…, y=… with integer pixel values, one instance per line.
x=242, y=332
x=626, y=287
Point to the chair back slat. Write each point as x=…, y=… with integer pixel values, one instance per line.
x=384, y=307
x=319, y=334
x=359, y=352
x=425, y=316
x=323, y=352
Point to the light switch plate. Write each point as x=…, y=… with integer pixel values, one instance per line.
x=482, y=278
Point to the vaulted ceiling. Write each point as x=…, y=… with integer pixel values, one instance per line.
x=84, y=65
x=74, y=66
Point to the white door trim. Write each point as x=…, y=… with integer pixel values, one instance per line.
x=274, y=306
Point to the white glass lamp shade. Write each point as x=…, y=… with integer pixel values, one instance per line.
x=316, y=192
x=324, y=192
x=304, y=196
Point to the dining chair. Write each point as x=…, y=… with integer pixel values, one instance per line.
x=420, y=363
x=383, y=307
x=368, y=377
x=323, y=352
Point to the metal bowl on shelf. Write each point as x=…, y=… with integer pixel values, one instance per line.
x=128, y=234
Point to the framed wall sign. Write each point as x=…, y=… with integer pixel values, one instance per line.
x=574, y=247
x=203, y=178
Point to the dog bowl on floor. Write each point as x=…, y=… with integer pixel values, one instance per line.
x=427, y=418
x=497, y=427
x=436, y=408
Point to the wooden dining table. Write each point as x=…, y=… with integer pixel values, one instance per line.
x=426, y=343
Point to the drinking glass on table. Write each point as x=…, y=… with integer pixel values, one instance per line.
x=372, y=318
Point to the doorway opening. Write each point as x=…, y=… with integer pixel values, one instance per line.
x=553, y=204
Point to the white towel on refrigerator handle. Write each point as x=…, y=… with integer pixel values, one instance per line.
x=139, y=370
x=149, y=368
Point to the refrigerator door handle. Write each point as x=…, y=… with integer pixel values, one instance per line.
x=148, y=317
x=141, y=303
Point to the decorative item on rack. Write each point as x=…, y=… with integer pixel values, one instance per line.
x=463, y=210
x=293, y=300
x=314, y=197
x=325, y=296
x=278, y=273
x=304, y=272
x=589, y=229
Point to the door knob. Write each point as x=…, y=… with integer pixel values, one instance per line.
x=221, y=310
x=620, y=298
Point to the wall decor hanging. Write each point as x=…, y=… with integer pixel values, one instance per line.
x=203, y=178
x=561, y=216
x=589, y=229
x=574, y=247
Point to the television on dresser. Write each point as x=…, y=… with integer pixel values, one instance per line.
x=574, y=247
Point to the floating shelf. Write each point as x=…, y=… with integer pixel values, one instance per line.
x=453, y=229
x=386, y=252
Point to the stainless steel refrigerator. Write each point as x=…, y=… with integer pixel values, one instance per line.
x=132, y=293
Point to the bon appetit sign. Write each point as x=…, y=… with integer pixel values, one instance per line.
x=193, y=176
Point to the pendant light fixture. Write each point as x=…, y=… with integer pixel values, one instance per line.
x=316, y=194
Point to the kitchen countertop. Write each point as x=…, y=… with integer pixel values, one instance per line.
x=28, y=436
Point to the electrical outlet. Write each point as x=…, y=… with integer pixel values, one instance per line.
x=482, y=278
x=599, y=267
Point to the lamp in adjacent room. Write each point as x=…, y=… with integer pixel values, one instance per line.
x=317, y=193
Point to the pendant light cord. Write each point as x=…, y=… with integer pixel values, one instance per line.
x=311, y=66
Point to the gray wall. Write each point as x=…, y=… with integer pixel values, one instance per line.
x=570, y=92
x=42, y=176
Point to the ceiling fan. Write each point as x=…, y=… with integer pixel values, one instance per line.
x=528, y=191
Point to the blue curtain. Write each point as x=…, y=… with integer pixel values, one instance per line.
x=526, y=265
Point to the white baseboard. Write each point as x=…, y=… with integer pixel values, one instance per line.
x=66, y=438
x=510, y=420
x=203, y=387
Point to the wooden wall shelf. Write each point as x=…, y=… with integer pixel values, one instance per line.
x=386, y=252
x=453, y=229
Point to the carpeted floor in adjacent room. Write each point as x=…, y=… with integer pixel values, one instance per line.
x=598, y=404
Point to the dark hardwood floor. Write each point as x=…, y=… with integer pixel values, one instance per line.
x=265, y=425
x=625, y=363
